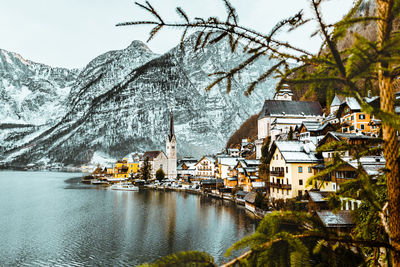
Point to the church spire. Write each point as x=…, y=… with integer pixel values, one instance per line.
x=171, y=128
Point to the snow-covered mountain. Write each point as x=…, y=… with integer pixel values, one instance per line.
x=121, y=101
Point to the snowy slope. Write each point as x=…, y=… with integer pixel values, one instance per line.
x=120, y=103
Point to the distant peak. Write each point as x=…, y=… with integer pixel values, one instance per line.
x=136, y=44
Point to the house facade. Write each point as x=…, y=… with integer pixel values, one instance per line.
x=205, y=168
x=291, y=165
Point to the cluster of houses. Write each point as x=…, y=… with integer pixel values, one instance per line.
x=289, y=135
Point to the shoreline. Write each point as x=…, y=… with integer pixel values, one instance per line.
x=258, y=215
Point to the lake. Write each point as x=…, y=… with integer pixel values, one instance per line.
x=50, y=218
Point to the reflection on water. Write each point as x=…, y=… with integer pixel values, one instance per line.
x=49, y=219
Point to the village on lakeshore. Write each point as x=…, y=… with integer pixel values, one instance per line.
x=274, y=170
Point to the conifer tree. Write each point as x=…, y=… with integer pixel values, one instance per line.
x=353, y=71
x=145, y=170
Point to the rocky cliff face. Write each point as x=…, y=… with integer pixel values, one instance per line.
x=120, y=102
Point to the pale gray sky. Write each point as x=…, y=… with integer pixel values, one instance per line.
x=70, y=33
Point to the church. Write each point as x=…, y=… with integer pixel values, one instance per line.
x=171, y=150
x=166, y=161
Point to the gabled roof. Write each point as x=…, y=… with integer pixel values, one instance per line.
x=296, y=108
x=314, y=126
x=372, y=165
x=344, y=137
x=337, y=100
x=341, y=219
x=318, y=197
x=250, y=197
x=295, y=151
x=229, y=161
x=152, y=154
x=211, y=159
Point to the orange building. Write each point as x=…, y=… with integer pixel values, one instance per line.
x=353, y=120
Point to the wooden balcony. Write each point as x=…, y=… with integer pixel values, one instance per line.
x=277, y=173
x=279, y=186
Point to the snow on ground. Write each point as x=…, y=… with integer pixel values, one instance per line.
x=102, y=158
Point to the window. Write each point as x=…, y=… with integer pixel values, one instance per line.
x=361, y=117
x=309, y=169
x=287, y=181
x=287, y=192
x=352, y=128
x=345, y=130
x=300, y=193
x=300, y=182
x=300, y=169
x=287, y=169
x=352, y=117
x=172, y=147
x=362, y=126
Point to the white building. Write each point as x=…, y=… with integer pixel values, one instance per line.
x=279, y=116
x=157, y=160
x=186, y=167
x=291, y=165
x=205, y=168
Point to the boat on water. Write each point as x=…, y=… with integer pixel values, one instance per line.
x=116, y=180
x=124, y=187
x=98, y=182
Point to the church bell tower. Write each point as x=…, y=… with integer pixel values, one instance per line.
x=171, y=150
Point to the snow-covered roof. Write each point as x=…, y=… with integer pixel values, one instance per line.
x=229, y=161
x=233, y=150
x=292, y=121
x=352, y=103
x=339, y=136
x=252, y=162
x=297, y=151
x=337, y=100
x=372, y=165
x=317, y=196
x=340, y=219
x=312, y=126
x=302, y=108
x=258, y=184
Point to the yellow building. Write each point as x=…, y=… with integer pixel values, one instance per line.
x=353, y=120
x=125, y=169
x=291, y=165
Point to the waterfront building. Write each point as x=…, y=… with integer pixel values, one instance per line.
x=124, y=169
x=291, y=165
x=224, y=169
x=186, y=167
x=205, y=168
x=246, y=171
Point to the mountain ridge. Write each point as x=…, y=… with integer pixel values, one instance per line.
x=120, y=103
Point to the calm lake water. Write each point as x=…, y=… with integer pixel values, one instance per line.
x=49, y=219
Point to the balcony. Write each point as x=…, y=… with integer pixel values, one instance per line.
x=279, y=186
x=277, y=173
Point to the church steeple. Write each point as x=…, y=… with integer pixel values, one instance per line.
x=171, y=128
x=171, y=150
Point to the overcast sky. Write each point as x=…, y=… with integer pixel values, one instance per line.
x=70, y=33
